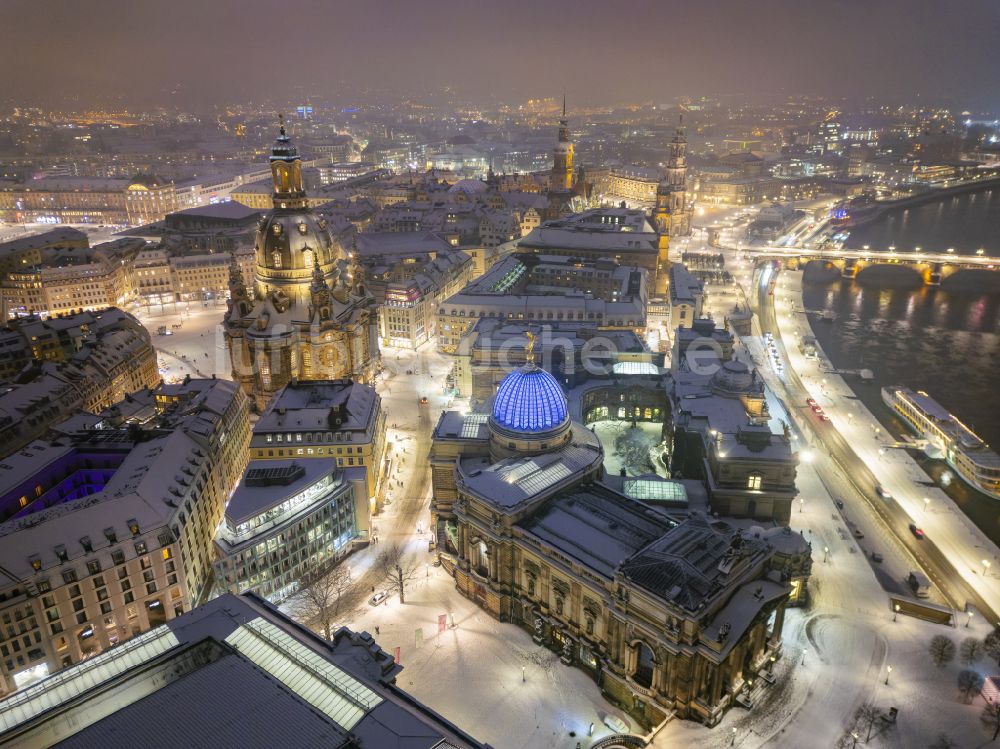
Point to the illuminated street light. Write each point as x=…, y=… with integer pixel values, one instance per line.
x=895, y=612
x=969, y=620
x=826, y=553
x=888, y=670
x=801, y=502
x=986, y=567
x=733, y=741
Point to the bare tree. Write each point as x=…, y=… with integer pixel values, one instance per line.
x=969, y=682
x=321, y=600
x=991, y=719
x=942, y=650
x=971, y=650
x=992, y=645
x=632, y=448
x=398, y=570
x=943, y=741
x=867, y=715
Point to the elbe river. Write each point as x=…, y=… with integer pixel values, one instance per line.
x=943, y=340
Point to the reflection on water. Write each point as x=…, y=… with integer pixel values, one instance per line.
x=965, y=222
x=946, y=343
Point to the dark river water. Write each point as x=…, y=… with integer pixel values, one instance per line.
x=943, y=340
x=965, y=222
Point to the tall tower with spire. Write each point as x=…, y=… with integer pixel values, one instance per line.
x=676, y=177
x=562, y=157
x=670, y=214
x=309, y=316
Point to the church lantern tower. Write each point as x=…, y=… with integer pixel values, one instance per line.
x=305, y=318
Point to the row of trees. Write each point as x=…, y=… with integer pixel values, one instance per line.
x=942, y=651
x=323, y=601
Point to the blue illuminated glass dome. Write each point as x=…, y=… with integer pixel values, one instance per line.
x=529, y=400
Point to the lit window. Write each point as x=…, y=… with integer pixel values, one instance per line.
x=755, y=481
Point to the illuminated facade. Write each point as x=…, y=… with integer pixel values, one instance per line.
x=88, y=200
x=642, y=600
x=68, y=280
x=309, y=315
x=108, y=529
x=339, y=421
x=286, y=524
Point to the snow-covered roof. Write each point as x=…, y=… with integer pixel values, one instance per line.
x=240, y=674
x=596, y=527
x=326, y=405
x=511, y=482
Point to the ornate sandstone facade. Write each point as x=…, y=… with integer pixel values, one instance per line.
x=309, y=315
x=673, y=613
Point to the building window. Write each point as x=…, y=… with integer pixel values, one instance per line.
x=755, y=481
x=643, y=675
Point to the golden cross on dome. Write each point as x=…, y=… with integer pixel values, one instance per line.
x=530, y=348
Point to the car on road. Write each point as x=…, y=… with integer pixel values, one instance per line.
x=917, y=532
x=839, y=503
x=423, y=400
x=877, y=557
x=811, y=402
x=882, y=492
x=858, y=533
x=378, y=598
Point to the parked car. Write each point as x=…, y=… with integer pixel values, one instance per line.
x=839, y=503
x=918, y=532
x=877, y=557
x=858, y=533
x=883, y=493
x=378, y=598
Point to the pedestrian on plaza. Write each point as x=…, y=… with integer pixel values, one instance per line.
x=373, y=589
x=377, y=631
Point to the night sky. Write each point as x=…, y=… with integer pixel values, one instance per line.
x=194, y=52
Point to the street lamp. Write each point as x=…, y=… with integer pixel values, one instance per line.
x=927, y=503
x=895, y=612
x=986, y=567
x=855, y=736
x=801, y=502
x=826, y=553
x=888, y=670
x=803, y=661
x=969, y=620
x=733, y=740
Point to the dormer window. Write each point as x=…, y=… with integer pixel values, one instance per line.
x=61, y=554
x=36, y=562
x=109, y=533
x=133, y=526
x=86, y=544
